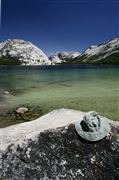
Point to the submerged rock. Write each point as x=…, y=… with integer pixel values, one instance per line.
x=49, y=148
x=6, y=93
x=21, y=110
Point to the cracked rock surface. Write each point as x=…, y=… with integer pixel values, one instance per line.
x=60, y=153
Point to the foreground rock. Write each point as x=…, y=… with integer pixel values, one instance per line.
x=50, y=149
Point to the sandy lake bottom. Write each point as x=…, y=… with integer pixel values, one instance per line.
x=45, y=89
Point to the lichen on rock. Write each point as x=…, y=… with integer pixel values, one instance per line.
x=61, y=154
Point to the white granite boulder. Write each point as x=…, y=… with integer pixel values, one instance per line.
x=49, y=148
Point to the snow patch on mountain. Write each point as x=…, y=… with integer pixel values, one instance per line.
x=60, y=57
x=106, y=47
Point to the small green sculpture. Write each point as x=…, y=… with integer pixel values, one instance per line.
x=93, y=127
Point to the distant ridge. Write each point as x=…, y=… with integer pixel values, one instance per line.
x=105, y=53
x=60, y=57
x=20, y=52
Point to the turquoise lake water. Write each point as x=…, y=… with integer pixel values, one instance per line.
x=44, y=88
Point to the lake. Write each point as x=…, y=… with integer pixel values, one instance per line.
x=45, y=88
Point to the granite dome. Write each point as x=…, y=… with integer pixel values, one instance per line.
x=25, y=51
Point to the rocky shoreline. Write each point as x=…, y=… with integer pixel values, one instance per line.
x=49, y=148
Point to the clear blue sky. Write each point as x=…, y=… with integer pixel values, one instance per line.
x=56, y=25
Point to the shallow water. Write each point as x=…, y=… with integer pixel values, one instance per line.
x=44, y=88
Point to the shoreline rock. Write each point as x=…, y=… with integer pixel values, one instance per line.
x=21, y=110
x=6, y=93
x=49, y=148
